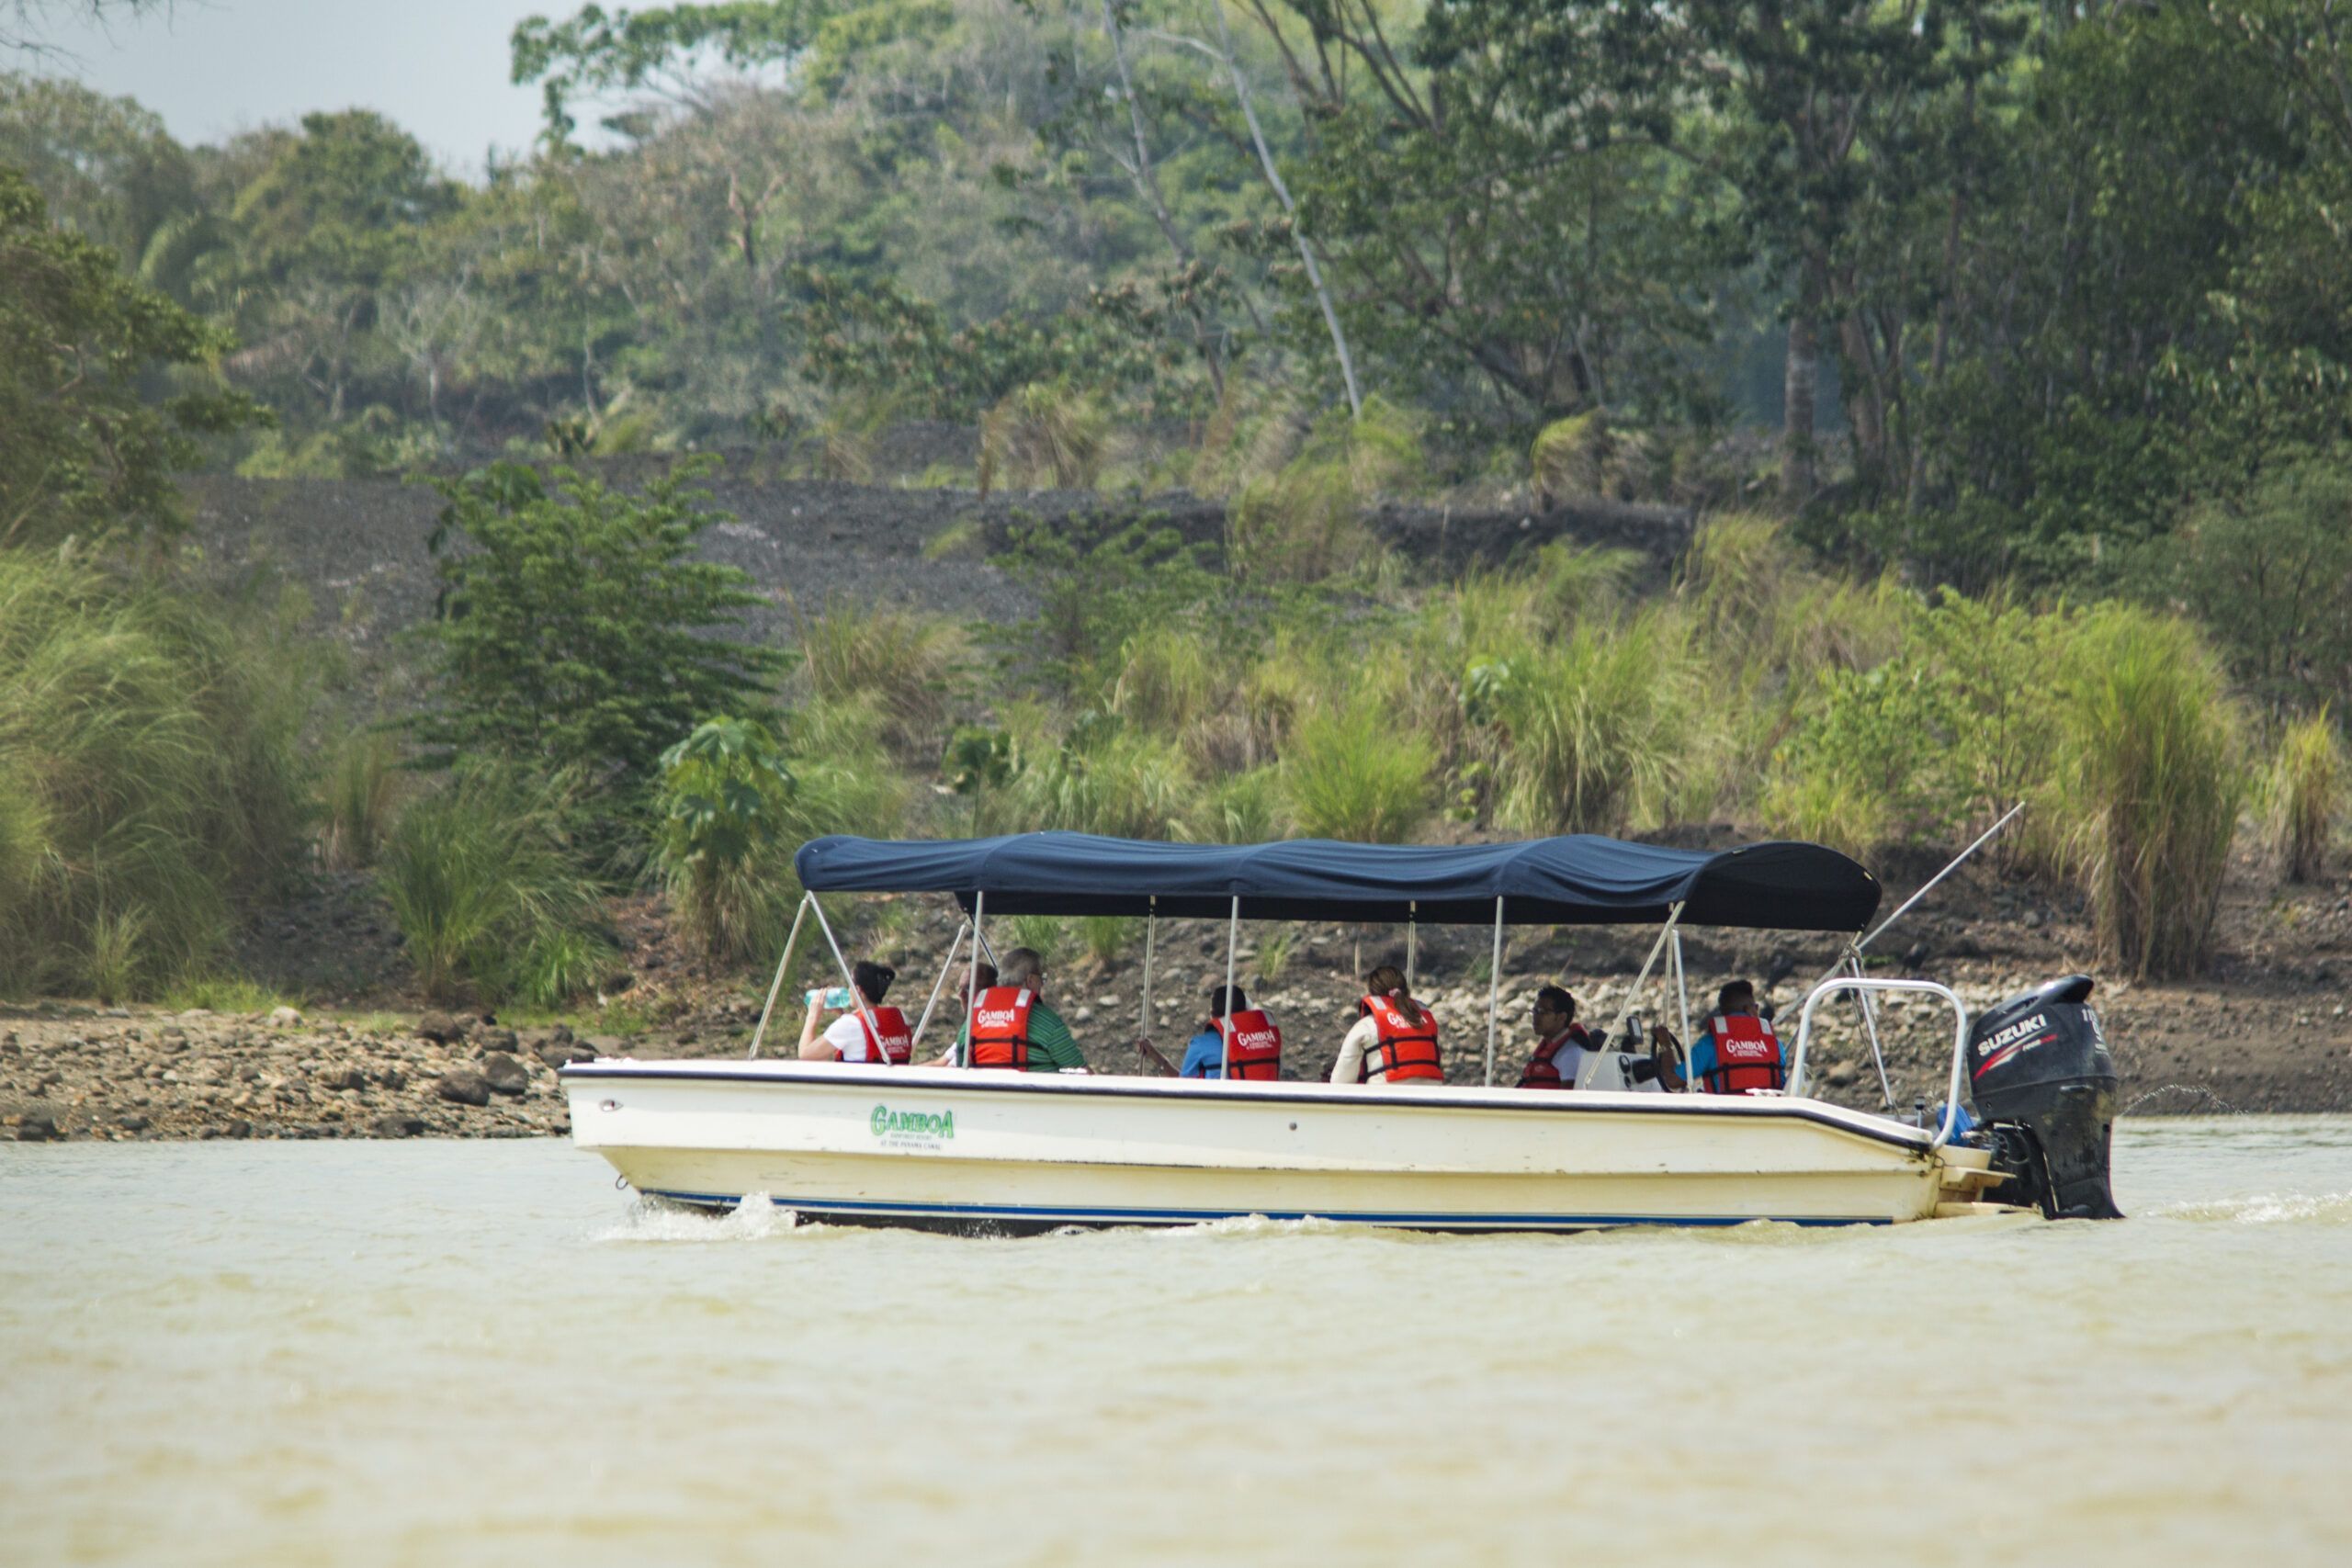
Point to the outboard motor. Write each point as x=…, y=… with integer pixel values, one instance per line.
x=2044, y=1087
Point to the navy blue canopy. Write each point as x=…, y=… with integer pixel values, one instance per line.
x=1583, y=880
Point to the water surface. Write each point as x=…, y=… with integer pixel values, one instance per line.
x=475, y=1353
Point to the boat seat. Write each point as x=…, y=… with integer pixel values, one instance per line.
x=1608, y=1070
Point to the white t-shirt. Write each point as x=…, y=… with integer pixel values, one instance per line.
x=847, y=1035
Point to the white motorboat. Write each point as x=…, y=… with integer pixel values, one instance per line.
x=967, y=1148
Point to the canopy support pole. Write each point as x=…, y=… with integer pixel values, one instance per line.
x=847, y=977
x=1225, y=1033
x=1494, y=992
x=938, y=985
x=1151, y=933
x=781, y=962
x=1682, y=994
x=1412, y=941
x=1863, y=999
x=972, y=978
x=1673, y=917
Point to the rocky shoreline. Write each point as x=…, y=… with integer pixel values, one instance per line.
x=119, y=1075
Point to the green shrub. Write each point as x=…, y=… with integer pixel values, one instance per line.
x=1047, y=433
x=151, y=779
x=1245, y=807
x=2151, y=786
x=1872, y=764
x=725, y=800
x=1106, y=779
x=575, y=625
x=1358, y=773
x=2306, y=791
x=486, y=887
x=1595, y=733
x=906, y=666
x=359, y=800
x=1305, y=524
x=1045, y=934
x=1168, y=678
x=1570, y=456
x=1106, y=937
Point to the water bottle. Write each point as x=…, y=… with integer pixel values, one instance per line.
x=835, y=997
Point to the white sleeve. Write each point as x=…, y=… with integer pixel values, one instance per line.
x=847, y=1036
x=1350, y=1066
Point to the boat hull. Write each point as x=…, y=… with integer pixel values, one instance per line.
x=1023, y=1152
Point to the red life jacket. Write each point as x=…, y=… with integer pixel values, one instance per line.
x=1408, y=1046
x=1747, y=1056
x=1253, y=1046
x=1000, y=1028
x=1543, y=1072
x=896, y=1046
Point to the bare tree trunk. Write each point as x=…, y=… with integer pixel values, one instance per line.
x=1798, y=379
x=1289, y=207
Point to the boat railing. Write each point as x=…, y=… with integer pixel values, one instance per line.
x=1838, y=983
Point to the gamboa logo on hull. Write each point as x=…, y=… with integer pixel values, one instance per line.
x=912, y=1126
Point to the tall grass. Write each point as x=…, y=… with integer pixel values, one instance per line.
x=1305, y=523
x=359, y=795
x=1594, y=734
x=1123, y=784
x=1045, y=433
x=2306, y=791
x=2153, y=782
x=483, y=883
x=1357, y=772
x=151, y=776
x=1106, y=938
x=905, y=666
x=1046, y=935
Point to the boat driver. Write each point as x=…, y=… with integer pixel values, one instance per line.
x=865, y=1031
x=1010, y=1025
x=1394, y=1040
x=1735, y=1052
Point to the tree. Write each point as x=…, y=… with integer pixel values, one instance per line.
x=573, y=628
x=84, y=353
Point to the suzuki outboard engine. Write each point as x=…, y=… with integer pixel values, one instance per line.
x=2044, y=1087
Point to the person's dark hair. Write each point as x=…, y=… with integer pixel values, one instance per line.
x=984, y=973
x=1733, y=993
x=1389, y=981
x=874, y=980
x=1225, y=1004
x=1022, y=967
x=1557, y=998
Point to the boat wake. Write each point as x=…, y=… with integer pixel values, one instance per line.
x=2265, y=1209
x=756, y=1218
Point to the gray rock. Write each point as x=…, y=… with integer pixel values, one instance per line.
x=504, y=1074
x=398, y=1124
x=240, y=1128
x=557, y=1053
x=345, y=1079
x=441, y=1028
x=285, y=1018
x=392, y=1078
x=36, y=1127
x=462, y=1087
x=489, y=1040
x=607, y=1046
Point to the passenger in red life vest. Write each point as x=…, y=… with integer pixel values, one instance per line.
x=864, y=1032
x=1394, y=1041
x=1012, y=1026
x=1256, y=1052
x=1562, y=1044
x=1738, y=1053
x=985, y=973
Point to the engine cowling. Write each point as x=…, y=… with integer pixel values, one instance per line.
x=2044, y=1083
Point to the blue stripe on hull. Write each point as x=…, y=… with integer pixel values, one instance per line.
x=1019, y=1214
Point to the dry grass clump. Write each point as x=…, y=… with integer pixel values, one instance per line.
x=1046, y=433
x=2306, y=791
x=906, y=667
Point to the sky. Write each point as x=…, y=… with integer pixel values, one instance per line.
x=213, y=67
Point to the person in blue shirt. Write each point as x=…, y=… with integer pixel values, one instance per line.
x=1204, y=1052
x=1756, y=1062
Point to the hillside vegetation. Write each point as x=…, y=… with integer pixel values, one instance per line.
x=2000, y=350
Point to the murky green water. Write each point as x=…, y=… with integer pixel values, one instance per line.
x=453, y=1353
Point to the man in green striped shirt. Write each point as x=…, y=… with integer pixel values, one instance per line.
x=1051, y=1050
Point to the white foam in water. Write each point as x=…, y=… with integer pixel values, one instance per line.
x=754, y=1218
x=2265, y=1209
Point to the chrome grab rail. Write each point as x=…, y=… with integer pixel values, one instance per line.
x=1856, y=982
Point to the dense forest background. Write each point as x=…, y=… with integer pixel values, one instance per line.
x=2021, y=315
